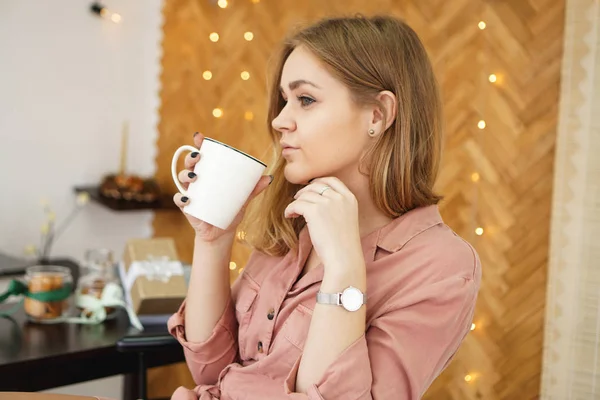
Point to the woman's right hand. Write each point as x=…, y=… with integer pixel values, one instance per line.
x=204, y=230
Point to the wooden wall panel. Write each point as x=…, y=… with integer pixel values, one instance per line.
x=513, y=156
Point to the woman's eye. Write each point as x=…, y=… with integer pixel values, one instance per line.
x=306, y=101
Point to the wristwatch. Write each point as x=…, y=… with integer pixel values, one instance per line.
x=351, y=298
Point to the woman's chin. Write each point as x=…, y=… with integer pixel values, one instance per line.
x=296, y=177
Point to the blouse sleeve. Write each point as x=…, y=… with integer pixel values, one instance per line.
x=403, y=350
x=207, y=359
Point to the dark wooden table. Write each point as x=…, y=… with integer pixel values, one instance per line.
x=36, y=357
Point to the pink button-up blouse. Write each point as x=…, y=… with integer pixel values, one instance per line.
x=422, y=284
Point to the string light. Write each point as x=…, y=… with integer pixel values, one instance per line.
x=245, y=75
x=248, y=36
x=222, y=3
x=249, y=116
x=217, y=113
x=470, y=377
x=232, y=265
x=214, y=37
x=104, y=12
x=207, y=75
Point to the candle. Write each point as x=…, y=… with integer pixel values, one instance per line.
x=124, y=137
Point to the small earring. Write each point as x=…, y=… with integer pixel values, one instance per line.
x=371, y=132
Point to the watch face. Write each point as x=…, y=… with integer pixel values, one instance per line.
x=352, y=299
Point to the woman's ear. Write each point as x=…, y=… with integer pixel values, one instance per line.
x=388, y=104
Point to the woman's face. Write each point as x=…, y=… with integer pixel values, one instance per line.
x=323, y=133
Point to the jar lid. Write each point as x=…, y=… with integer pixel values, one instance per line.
x=38, y=270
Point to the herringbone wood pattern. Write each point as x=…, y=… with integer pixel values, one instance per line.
x=513, y=156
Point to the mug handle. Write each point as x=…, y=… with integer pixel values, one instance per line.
x=178, y=152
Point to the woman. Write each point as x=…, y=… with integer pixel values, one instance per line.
x=355, y=120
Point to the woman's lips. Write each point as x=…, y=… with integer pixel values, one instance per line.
x=288, y=150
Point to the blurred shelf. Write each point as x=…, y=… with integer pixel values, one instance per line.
x=163, y=203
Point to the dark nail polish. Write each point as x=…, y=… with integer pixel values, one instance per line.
x=192, y=175
x=272, y=177
x=194, y=154
x=196, y=134
x=184, y=199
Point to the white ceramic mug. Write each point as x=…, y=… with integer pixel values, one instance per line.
x=225, y=178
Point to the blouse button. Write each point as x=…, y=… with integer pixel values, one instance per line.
x=271, y=314
x=260, y=347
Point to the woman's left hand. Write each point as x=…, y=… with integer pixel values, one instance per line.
x=331, y=216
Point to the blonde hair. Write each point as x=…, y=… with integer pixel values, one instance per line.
x=368, y=55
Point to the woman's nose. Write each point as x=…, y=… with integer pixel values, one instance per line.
x=283, y=122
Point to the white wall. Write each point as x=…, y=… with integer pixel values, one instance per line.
x=68, y=79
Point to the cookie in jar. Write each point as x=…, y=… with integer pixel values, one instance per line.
x=51, y=287
x=99, y=272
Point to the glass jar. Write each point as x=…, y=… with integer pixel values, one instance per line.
x=42, y=279
x=99, y=270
